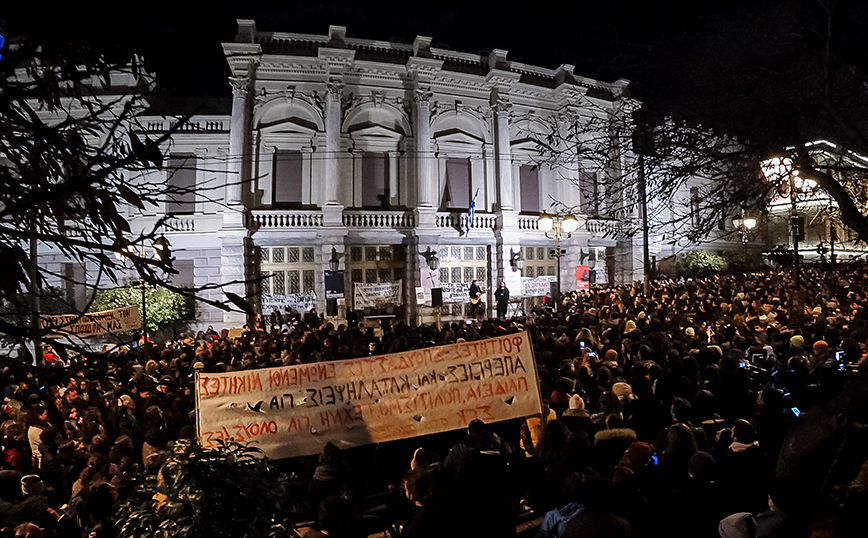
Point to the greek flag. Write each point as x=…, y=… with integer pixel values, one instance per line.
x=471, y=214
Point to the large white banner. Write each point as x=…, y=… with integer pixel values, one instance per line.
x=295, y=410
x=536, y=287
x=376, y=295
x=93, y=323
x=301, y=302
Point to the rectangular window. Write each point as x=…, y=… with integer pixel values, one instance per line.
x=181, y=185
x=589, y=194
x=457, y=192
x=375, y=180
x=287, y=177
x=529, y=184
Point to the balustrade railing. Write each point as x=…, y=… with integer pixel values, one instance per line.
x=379, y=219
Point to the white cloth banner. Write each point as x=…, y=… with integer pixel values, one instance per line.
x=423, y=296
x=295, y=410
x=301, y=302
x=376, y=295
x=456, y=292
x=93, y=323
x=536, y=287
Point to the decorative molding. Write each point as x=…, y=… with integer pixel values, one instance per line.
x=500, y=105
x=423, y=95
x=240, y=86
x=334, y=88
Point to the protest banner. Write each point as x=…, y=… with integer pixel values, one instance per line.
x=301, y=302
x=456, y=292
x=376, y=295
x=423, y=296
x=583, y=277
x=295, y=410
x=536, y=287
x=93, y=323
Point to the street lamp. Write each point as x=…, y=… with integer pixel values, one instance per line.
x=434, y=264
x=781, y=171
x=744, y=227
x=558, y=227
x=162, y=251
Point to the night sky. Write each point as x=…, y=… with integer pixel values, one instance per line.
x=674, y=52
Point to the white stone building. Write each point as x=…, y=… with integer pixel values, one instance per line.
x=374, y=151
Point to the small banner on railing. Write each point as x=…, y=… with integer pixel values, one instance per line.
x=456, y=292
x=301, y=302
x=536, y=287
x=377, y=295
x=93, y=323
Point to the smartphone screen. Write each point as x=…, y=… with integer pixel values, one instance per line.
x=795, y=411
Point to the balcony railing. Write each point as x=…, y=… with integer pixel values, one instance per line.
x=180, y=224
x=528, y=222
x=604, y=228
x=458, y=221
x=379, y=219
x=286, y=219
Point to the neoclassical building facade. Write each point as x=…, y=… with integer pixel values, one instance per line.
x=369, y=153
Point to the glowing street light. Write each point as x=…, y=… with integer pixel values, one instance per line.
x=560, y=227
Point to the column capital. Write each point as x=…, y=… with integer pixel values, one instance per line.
x=334, y=88
x=422, y=96
x=240, y=86
x=500, y=105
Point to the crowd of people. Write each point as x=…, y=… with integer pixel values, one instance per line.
x=707, y=408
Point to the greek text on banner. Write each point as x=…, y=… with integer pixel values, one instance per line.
x=93, y=323
x=294, y=410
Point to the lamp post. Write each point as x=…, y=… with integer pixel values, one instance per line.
x=558, y=227
x=780, y=170
x=434, y=264
x=163, y=252
x=744, y=227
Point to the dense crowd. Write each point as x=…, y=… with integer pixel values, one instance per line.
x=703, y=409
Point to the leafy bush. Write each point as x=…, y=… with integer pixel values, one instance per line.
x=162, y=306
x=703, y=262
x=230, y=491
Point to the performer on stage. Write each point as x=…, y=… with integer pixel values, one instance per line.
x=476, y=305
x=501, y=295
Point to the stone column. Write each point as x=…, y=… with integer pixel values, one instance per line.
x=504, y=155
x=334, y=90
x=423, y=149
x=237, y=133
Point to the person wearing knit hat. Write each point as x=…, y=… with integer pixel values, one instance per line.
x=690, y=332
x=738, y=525
x=630, y=326
x=623, y=391
x=577, y=407
x=126, y=401
x=638, y=455
x=798, y=341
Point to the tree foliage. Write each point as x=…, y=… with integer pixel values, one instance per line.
x=162, y=306
x=703, y=263
x=721, y=88
x=229, y=491
x=75, y=164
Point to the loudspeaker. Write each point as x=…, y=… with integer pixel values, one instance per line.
x=436, y=297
